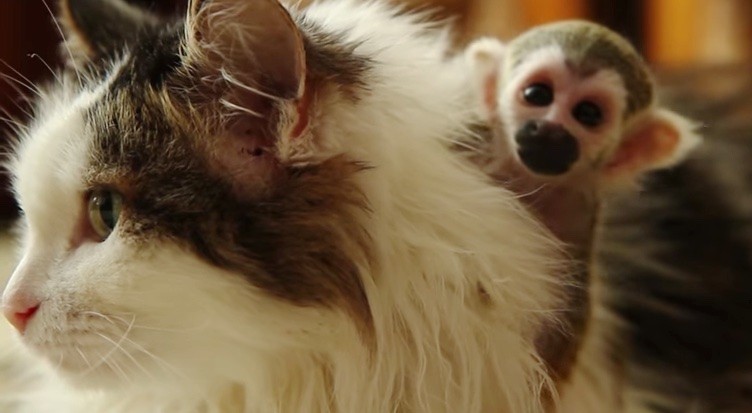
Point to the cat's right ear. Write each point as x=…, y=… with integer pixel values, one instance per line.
x=98, y=29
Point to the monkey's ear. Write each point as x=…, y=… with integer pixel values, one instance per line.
x=656, y=139
x=485, y=57
x=95, y=29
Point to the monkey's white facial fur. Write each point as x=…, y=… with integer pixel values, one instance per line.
x=561, y=120
x=545, y=95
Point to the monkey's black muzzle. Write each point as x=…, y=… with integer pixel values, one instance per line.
x=546, y=148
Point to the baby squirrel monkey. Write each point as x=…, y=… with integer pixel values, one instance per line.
x=573, y=115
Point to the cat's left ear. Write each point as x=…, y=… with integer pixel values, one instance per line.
x=98, y=29
x=252, y=44
x=249, y=57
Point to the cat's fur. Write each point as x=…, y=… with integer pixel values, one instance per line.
x=677, y=260
x=356, y=265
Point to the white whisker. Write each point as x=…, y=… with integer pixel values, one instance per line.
x=14, y=84
x=83, y=356
x=44, y=62
x=111, y=351
x=160, y=361
x=134, y=326
x=65, y=42
x=21, y=80
x=115, y=367
x=119, y=346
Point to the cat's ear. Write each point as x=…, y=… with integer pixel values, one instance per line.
x=251, y=44
x=95, y=29
x=250, y=58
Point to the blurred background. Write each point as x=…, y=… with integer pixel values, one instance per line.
x=707, y=44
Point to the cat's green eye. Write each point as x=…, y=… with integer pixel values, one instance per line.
x=104, y=211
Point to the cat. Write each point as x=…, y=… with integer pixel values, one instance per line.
x=258, y=209
x=676, y=259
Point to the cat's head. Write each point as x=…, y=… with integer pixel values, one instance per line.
x=181, y=215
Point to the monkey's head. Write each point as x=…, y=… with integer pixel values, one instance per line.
x=573, y=98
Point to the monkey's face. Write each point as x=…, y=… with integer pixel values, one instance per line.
x=559, y=118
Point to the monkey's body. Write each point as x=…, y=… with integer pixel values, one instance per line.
x=569, y=208
x=572, y=116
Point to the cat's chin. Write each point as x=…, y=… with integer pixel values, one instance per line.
x=112, y=374
x=90, y=357
x=87, y=368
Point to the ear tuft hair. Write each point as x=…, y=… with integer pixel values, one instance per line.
x=254, y=45
x=250, y=59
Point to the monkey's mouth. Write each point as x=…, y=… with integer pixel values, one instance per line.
x=546, y=148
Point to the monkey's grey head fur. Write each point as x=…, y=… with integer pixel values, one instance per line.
x=590, y=47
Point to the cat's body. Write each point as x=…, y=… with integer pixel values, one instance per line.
x=330, y=256
x=677, y=260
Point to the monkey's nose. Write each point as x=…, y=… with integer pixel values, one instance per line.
x=19, y=312
x=546, y=148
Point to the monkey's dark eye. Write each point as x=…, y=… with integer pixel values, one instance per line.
x=538, y=94
x=588, y=113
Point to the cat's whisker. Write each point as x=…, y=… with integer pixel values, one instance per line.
x=14, y=119
x=65, y=42
x=83, y=356
x=22, y=108
x=21, y=80
x=158, y=360
x=14, y=123
x=15, y=126
x=115, y=367
x=109, y=353
x=156, y=328
x=133, y=360
x=98, y=314
x=94, y=366
x=19, y=92
x=47, y=65
x=171, y=330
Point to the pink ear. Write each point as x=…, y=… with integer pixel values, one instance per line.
x=250, y=59
x=656, y=139
x=485, y=57
x=252, y=44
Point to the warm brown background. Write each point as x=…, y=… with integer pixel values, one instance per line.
x=671, y=33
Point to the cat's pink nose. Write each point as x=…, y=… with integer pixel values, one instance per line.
x=19, y=313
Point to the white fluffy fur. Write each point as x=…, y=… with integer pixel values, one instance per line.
x=166, y=332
